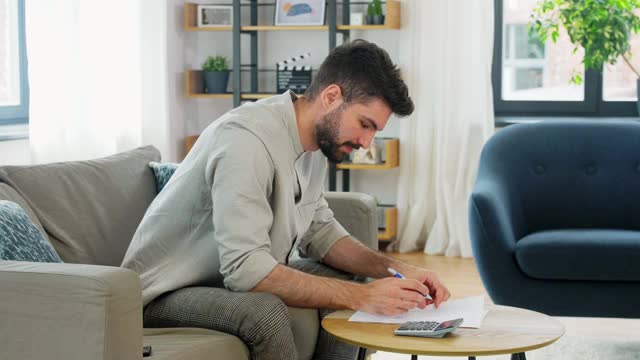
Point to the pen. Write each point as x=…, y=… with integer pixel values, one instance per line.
x=400, y=276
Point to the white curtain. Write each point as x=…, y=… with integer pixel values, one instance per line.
x=85, y=77
x=446, y=55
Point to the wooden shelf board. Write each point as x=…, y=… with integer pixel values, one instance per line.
x=291, y=28
x=391, y=222
x=256, y=96
x=367, y=27
x=384, y=166
x=189, y=141
x=384, y=236
x=392, y=147
x=194, y=87
x=210, y=96
x=200, y=28
x=285, y=28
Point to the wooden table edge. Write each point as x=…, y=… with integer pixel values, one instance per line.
x=452, y=353
x=503, y=351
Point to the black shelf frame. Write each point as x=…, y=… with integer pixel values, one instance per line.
x=331, y=16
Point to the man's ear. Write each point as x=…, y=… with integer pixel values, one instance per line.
x=332, y=97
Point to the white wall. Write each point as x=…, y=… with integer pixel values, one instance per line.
x=167, y=113
x=15, y=152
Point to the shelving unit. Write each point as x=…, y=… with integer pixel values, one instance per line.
x=189, y=141
x=388, y=233
x=392, y=147
x=392, y=160
x=195, y=89
x=392, y=21
x=194, y=77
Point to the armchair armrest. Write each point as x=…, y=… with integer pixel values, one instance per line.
x=357, y=213
x=495, y=224
x=69, y=311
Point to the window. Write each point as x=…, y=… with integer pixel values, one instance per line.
x=14, y=88
x=532, y=79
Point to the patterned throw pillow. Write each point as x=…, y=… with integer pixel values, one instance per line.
x=163, y=172
x=20, y=239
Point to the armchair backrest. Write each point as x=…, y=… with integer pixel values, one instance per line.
x=568, y=174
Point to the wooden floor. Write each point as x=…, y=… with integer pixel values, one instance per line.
x=462, y=279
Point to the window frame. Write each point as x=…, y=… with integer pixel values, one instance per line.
x=19, y=114
x=592, y=106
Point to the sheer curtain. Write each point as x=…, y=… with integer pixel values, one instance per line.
x=85, y=78
x=446, y=56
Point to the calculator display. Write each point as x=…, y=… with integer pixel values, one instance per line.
x=446, y=324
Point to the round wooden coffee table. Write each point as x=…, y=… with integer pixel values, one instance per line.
x=504, y=330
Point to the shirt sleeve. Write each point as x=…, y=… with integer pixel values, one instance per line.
x=242, y=174
x=323, y=233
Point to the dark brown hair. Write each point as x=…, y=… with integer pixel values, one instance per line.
x=363, y=71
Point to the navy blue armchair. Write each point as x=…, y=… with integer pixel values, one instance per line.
x=555, y=218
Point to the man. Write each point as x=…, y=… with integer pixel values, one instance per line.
x=250, y=192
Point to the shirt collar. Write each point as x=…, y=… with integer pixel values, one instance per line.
x=292, y=125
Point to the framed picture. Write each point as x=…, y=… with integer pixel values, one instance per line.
x=299, y=12
x=215, y=15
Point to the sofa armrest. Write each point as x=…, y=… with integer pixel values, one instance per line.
x=357, y=213
x=69, y=311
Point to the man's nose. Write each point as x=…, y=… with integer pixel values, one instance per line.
x=366, y=140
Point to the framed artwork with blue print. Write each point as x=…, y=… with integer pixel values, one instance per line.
x=20, y=239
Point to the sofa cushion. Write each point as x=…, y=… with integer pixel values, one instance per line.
x=89, y=209
x=581, y=254
x=193, y=344
x=20, y=239
x=162, y=172
x=8, y=193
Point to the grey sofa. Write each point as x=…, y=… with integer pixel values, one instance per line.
x=89, y=307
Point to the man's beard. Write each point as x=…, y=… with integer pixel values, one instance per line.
x=327, y=133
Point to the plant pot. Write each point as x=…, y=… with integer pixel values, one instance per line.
x=378, y=19
x=369, y=19
x=638, y=93
x=215, y=82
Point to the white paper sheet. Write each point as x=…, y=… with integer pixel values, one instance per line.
x=471, y=309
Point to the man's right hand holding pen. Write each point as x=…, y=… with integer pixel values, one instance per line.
x=401, y=292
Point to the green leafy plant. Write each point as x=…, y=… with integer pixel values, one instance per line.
x=215, y=63
x=601, y=27
x=374, y=8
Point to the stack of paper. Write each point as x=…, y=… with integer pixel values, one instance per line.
x=471, y=309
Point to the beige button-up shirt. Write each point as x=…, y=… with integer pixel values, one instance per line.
x=244, y=197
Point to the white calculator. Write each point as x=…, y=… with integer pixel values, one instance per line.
x=428, y=328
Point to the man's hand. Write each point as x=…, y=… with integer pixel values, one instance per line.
x=351, y=256
x=392, y=296
x=438, y=292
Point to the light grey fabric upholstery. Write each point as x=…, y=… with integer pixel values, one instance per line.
x=193, y=344
x=356, y=212
x=328, y=347
x=90, y=209
x=69, y=311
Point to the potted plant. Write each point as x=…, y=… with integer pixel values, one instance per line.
x=374, y=13
x=216, y=74
x=602, y=28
